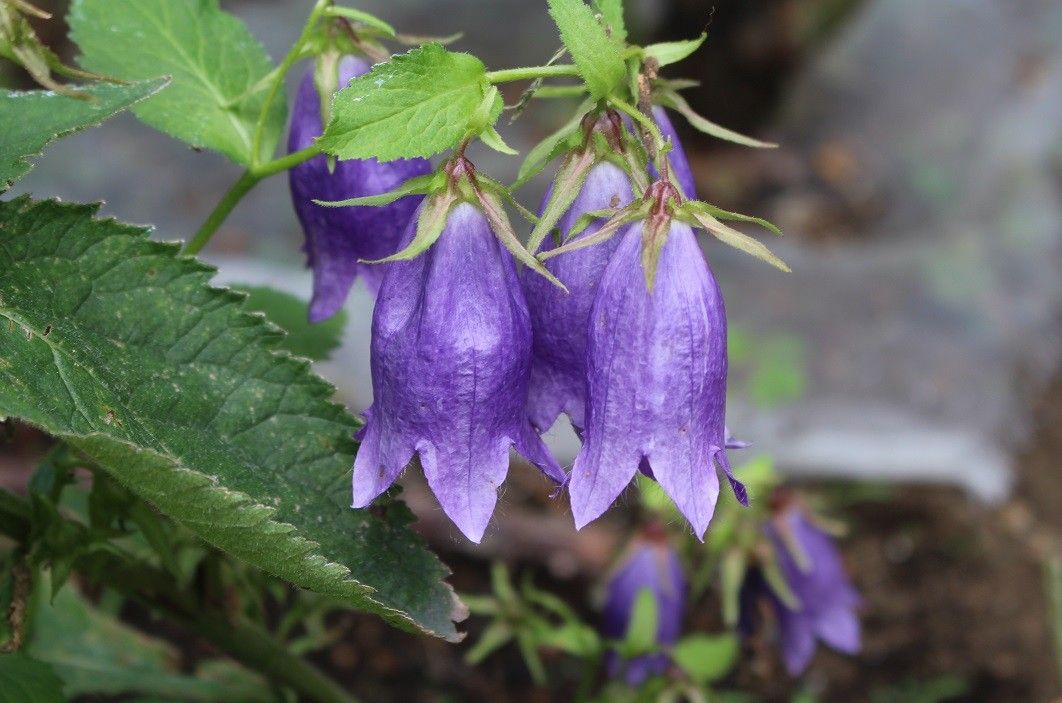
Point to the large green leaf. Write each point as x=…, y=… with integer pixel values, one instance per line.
x=215, y=62
x=598, y=56
x=417, y=104
x=95, y=653
x=116, y=344
x=34, y=119
x=23, y=680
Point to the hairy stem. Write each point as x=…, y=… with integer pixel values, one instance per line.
x=531, y=72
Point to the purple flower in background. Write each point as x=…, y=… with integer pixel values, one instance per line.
x=559, y=319
x=336, y=238
x=652, y=565
x=680, y=165
x=451, y=355
x=811, y=566
x=656, y=382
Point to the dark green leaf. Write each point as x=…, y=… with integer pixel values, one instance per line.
x=26, y=680
x=288, y=312
x=34, y=119
x=417, y=104
x=114, y=343
x=598, y=56
x=94, y=653
x=706, y=658
x=215, y=62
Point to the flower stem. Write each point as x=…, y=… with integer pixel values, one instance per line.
x=228, y=201
x=531, y=72
x=293, y=55
x=240, y=188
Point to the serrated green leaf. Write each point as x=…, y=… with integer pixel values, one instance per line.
x=34, y=119
x=612, y=12
x=706, y=658
x=417, y=104
x=26, y=680
x=212, y=57
x=669, y=52
x=94, y=653
x=598, y=56
x=114, y=343
x=288, y=312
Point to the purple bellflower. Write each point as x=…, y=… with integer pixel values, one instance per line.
x=451, y=355
x=811, y=566
x=656, y=369
x=559, y=319
x=337, y=238
x=650, y=564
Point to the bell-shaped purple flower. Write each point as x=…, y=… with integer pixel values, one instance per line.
x=337, y=238
x=559, y=319
x=680, y=165
x=451, y=356
x=811, y=566
x=654, y=566
x=656, y=382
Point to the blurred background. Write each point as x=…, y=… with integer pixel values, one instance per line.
x=909, y=366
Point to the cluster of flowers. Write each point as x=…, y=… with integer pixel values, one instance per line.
x=819, y=602
x=470, y=359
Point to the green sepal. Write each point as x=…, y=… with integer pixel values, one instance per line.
x=671, y=99
x=697, y=217
x=551, y=147
x=362, y=18
x=642, y=627
x=568, y=182
x=732, y=577
x=418, y=185
x=494, y=211
x=430, y=225
x=637, y=210
x=666, y=53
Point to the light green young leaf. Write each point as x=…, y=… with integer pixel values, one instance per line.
x=612, y=12
x=670, y=52
x=314, y=341
x=23, y=679
x=706, y=658
x=34, y=119
x=213, y=59
x=598, y=56
x=114, y=343
x=94, y=653
x=417, y=104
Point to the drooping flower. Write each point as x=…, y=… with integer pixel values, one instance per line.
x=649, y=565
x=337, y=238
x=559, y=320
x=656, y=382
x=451, y=354
x=825, y=601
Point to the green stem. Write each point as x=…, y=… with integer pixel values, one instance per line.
x=293, y=55
x=531, y=72
x=240, y=188
x=228, y=201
